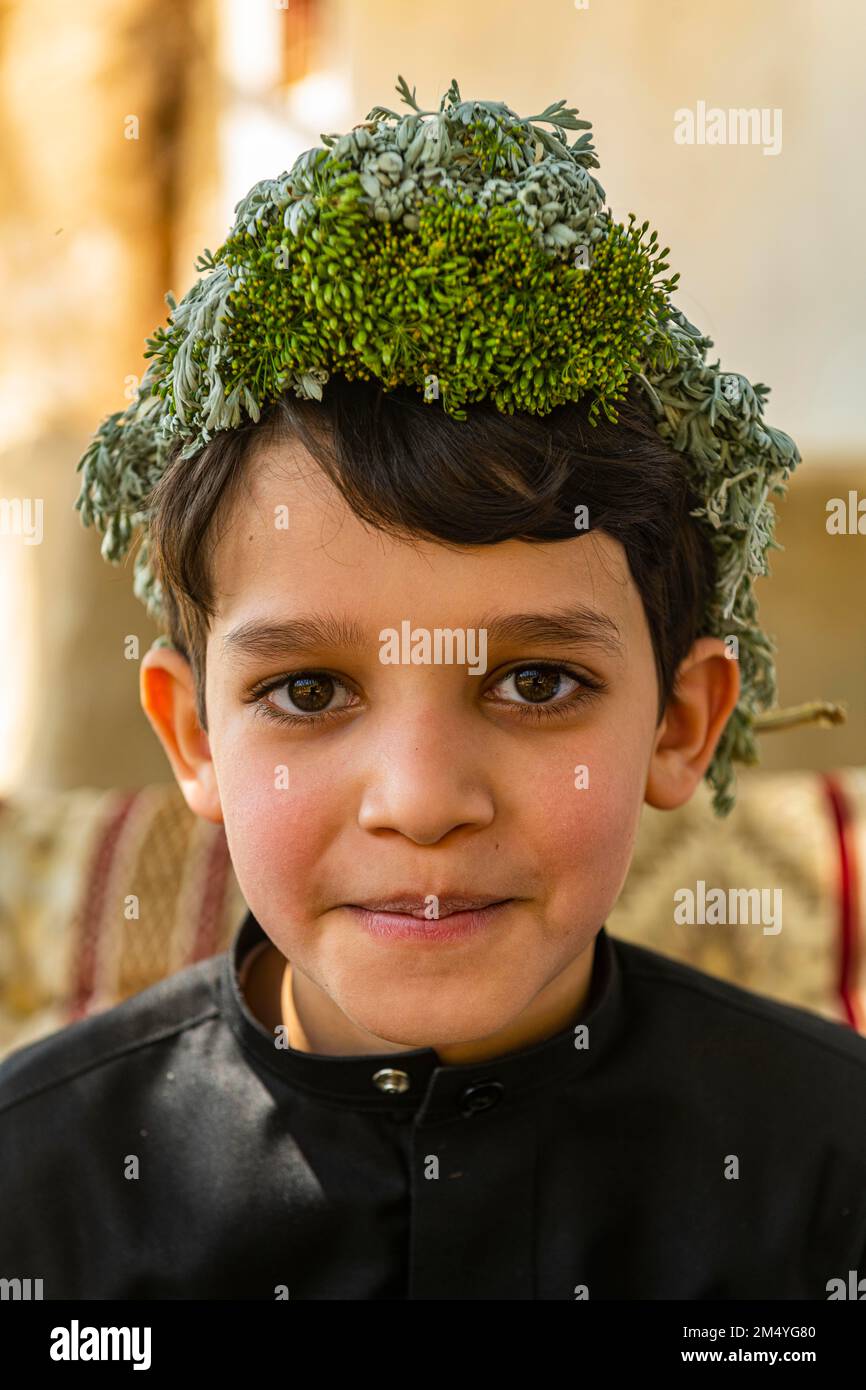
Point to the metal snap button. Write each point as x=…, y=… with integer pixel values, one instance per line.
x=391, y=1081
x=482, y=1096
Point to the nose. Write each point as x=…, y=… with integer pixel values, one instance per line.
x=426, y=780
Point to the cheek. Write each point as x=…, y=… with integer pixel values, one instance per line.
x=583, y=823
x=278, y=818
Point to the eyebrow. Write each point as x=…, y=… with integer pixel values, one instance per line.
x=270, y=641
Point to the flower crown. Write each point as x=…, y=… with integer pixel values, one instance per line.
x=465, y=252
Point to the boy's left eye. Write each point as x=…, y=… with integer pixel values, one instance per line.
x=536, y=684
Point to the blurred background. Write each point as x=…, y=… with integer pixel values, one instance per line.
x=129, y=130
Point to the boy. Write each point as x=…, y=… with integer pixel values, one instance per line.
x=427, y=707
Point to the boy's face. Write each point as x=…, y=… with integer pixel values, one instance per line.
x=428, y=777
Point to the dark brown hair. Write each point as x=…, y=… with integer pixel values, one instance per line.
x=409, y=468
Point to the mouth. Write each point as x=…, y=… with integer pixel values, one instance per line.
x=433, y=906
x=449, y=918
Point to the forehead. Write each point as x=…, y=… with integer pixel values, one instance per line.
x=291, y=544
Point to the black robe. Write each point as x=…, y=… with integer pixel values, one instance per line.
x=692, y=1141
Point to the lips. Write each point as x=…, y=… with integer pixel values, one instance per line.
x=411, y=905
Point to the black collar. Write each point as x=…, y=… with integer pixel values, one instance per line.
x=402, y=1081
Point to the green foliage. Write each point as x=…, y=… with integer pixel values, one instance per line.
x=469, y=298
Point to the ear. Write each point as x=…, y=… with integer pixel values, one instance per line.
x=705, y=694
x=167, y=691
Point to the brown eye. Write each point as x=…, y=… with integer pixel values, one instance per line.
x=537, y=682
x=310, y=693
x=303, y=698
x=546, y=690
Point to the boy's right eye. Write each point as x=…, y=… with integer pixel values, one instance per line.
x=311, y=691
